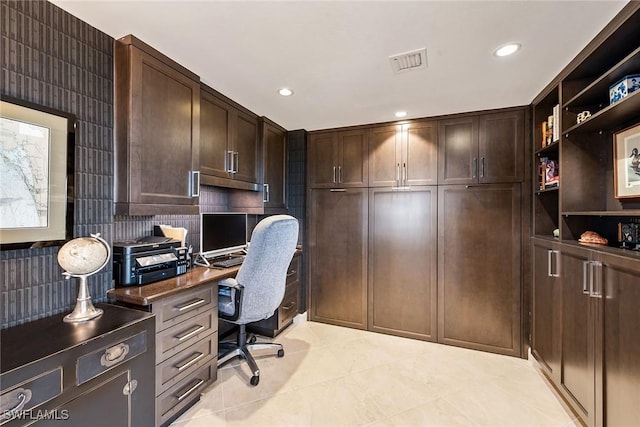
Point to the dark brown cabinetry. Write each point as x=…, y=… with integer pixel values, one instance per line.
x=338, y=256
x=479, y=267
x=98, y=372
x=288, y=307
x=487, y=148
x=403, y=261
x=274, y=154
x=157, y=132
x=338, y=159
x=403, y=155
x=230, y=153
x=547, y=307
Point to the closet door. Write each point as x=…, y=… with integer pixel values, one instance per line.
x=403, y=261
x=338, y=256
x=479, y=267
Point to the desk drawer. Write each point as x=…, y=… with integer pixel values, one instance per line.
x=293, y=272
x=183, y=393
x=179, y=307
x=180, y=336
x=30, y=393
x=93, y=364
x=289, y=306
x=184, y=363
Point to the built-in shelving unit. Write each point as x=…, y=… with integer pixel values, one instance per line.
x=585, y=198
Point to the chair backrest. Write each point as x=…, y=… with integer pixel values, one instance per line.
x=264, y=270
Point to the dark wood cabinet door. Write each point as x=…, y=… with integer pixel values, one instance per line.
x=247, y=149
x=214, y=136
x=501, y=147
x=547, y=300
x=338, y=256
x=275, y=167
x=157, y=146
x=384, y=156
x=621, y=338
x=352, y=158
x=479, y=271
x=458, y=151
x=322, y=161
x=578, y=369
x=403, y=262
x=420, y=153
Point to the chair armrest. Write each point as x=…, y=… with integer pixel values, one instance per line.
x=229, y=299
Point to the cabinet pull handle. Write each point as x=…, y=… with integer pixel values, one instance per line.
x=338, y=190
x=549, y=255
x=185, y=364
x=474, y=167
x=404, y=174
x=398, y=174
x=482, y=167
x=114, y=355
x=195, y=183
x=291, y=273
x=585, y=286
x=236, y=161
x=267, y=193
x=23, y=396
x=334, y=175
x=289, y=306
x=188, y=334
x=190, y=390
x=189, y=304
x=228, y=167
x=594, y=266
x=557, y=273
x=340, y=174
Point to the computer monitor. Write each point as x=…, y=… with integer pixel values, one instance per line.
x=222, y=233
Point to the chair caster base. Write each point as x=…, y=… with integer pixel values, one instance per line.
x=255, y=380
x=280, y=353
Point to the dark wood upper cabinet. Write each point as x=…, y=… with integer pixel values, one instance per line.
x=274, y=141
x=230, y=152
x=157, y=129
x=338, y=158
x=403, y=154
x=479, y=267
x=487, y=148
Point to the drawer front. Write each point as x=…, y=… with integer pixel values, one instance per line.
x=29, y=394
x=183, y=335
x=176, y=309
x=183, y=393
x=293, y=273
x=182, y=364
x=289, y=307
x=93, y=364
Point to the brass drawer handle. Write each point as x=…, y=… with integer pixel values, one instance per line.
x=184, y=365
x=190, y=333
x=114, y=355
x=189, y=304
x=23, y=396
x=191, y=390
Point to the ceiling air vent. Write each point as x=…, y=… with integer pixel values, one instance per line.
x=413, y=60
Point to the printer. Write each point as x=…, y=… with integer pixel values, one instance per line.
x=147, y=260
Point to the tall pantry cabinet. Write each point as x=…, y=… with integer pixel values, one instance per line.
x=442, y=262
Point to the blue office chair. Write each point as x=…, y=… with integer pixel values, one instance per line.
x=258, y=288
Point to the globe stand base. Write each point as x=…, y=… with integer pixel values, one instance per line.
x=84, y=309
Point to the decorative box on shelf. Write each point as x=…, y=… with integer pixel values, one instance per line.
x=624, y=87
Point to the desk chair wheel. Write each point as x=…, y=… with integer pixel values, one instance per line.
x=255, y=380
x=280, y=353
x=252, y=339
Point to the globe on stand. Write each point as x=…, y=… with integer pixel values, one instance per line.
x=81, y=258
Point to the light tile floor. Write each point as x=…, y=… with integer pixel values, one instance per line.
x=333, y=376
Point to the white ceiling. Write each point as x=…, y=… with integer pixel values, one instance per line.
x=334, y=54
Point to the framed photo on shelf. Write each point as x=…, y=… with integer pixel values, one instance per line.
x=626, y=166
x=37, y=147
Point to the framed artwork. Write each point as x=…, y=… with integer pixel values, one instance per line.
x=626, y=166
x=37, y=147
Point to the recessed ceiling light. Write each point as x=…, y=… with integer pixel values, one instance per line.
x=285, y=91
x=401, y=114
x=507, y=49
